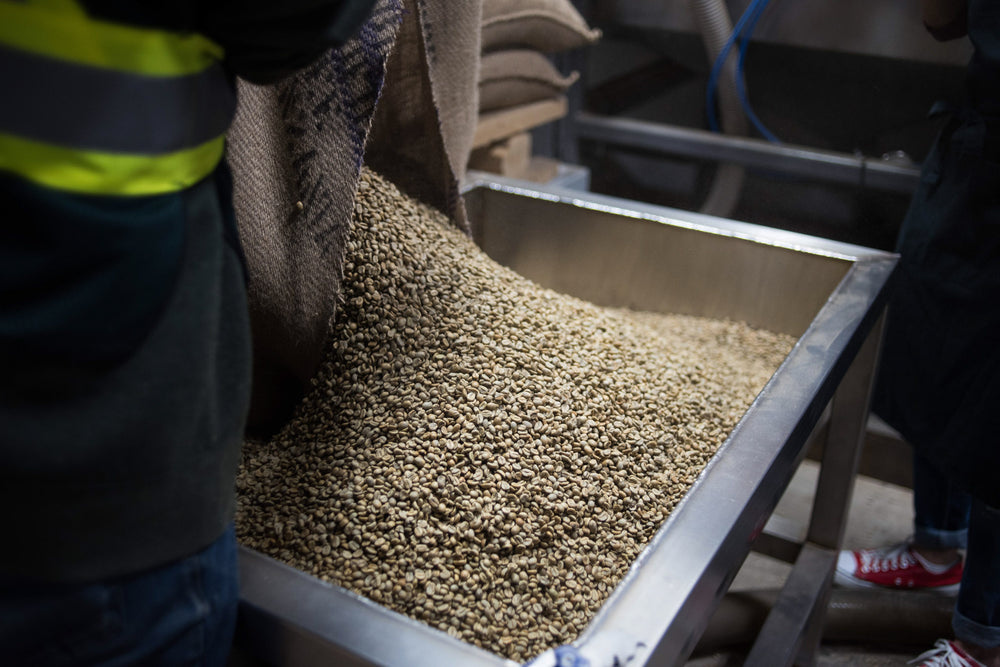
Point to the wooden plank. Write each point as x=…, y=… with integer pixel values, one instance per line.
x=497, y=125
x=507, y=157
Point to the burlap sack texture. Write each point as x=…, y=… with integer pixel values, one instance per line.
x=549, y=26
x=519, y=76
x=514, y=72
x=401, y=96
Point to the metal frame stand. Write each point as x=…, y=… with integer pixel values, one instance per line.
x=808, y=586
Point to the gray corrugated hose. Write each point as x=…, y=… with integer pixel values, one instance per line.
x=713, y=22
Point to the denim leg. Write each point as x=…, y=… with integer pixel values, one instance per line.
x=941, y=511
x=221, y=588
x=977, y=613
x=182, y=613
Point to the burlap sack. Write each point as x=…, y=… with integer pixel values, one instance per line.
x=425, y=154
x=515, y=77
x=296, y=150
x=544, y=25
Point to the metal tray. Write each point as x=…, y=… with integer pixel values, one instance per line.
x=615, y=252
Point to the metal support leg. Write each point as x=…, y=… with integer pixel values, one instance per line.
x=800, y=609
x=848, y=419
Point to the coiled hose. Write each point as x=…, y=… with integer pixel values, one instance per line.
x=713, y=22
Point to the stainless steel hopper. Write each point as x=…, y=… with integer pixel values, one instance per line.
x=613, y=252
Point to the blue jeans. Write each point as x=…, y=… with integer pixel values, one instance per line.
x=947, y=518
x=182, y=613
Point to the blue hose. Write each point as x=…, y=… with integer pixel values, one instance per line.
x=713, y=77
x=740, y=87
x=743, y=30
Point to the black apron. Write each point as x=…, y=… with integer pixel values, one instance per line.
x=939, y=381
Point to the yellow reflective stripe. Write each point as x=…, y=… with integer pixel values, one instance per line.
x=66, y=35
x=89, y=172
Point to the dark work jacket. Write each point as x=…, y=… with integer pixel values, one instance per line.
x=124, y=335
x=939, y=381
x=122, y=398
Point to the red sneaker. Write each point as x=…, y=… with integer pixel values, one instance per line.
x=897, y=567
x=945, y=654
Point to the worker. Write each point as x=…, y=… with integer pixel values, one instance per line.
x=124, y=337
x=939, y=382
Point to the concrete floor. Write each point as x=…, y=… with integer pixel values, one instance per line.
x=880, y=514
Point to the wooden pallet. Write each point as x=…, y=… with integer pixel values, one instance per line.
x=496, y=125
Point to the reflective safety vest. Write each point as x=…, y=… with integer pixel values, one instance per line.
x=95, y=107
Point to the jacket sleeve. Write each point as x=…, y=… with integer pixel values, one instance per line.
x=267, y=40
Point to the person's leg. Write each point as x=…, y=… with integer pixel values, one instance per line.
x=931, y=561
x=976, y=621
x=941, y=514
x=182, y=613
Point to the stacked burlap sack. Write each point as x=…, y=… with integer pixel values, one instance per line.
x=516, y=36
x=519, y=86
x=401, y=96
